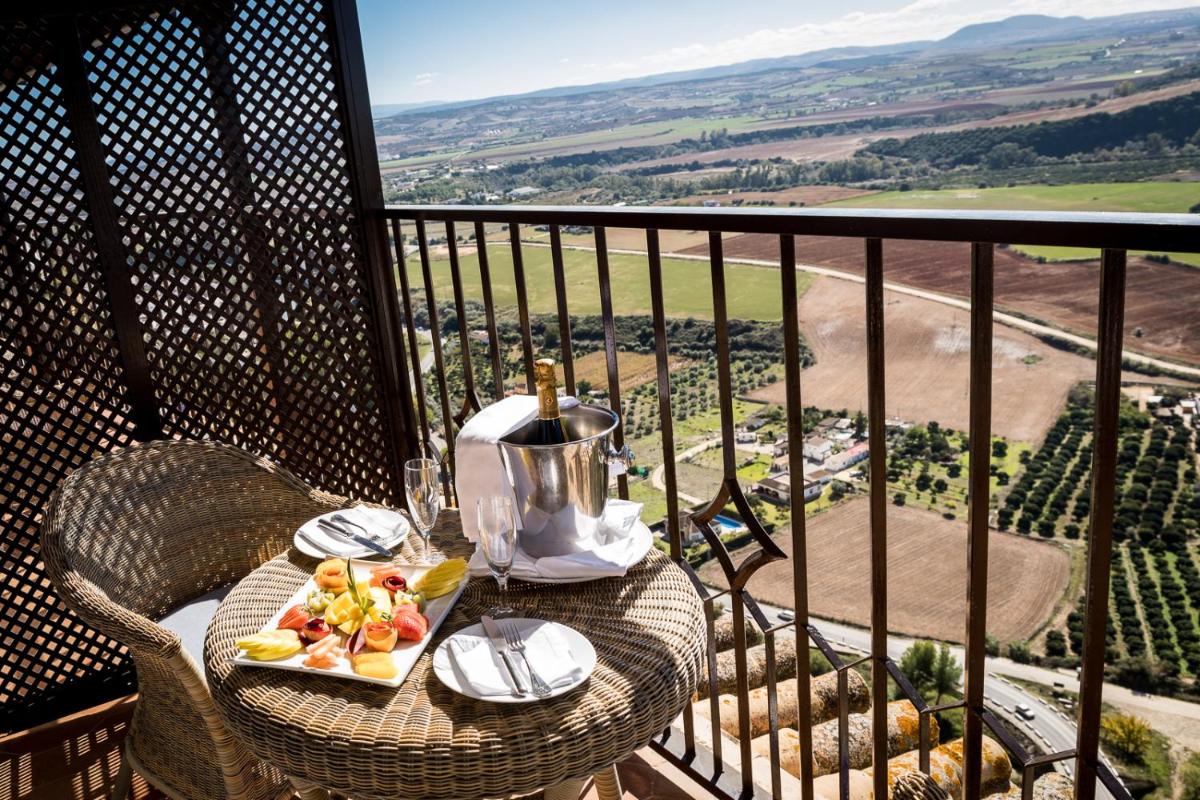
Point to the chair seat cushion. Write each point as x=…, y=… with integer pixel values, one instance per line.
x=190, y=621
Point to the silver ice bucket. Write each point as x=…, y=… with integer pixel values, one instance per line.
x=561, y=489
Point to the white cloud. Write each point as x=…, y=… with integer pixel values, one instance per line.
x=423, y=78
x=917, y=20
x=564, y=61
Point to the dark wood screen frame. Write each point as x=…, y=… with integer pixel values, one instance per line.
x=185, y=265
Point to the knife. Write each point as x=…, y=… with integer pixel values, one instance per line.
x=500, y=645
x=330, y=528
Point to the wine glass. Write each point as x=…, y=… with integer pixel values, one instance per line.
x=424, y=498
x=498, y=537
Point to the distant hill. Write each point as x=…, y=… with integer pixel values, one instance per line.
x=1009, y=31
x=385, y=110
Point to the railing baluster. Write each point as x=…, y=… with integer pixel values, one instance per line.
x=729, y=459
x=411, y=330
x=1104, y=461
x=485, y=279
x=514, y=237
x=666, y=423
x=878, y=485
x=610, y=352
x=471, y=398
x=436, y=338
x=714, y=697
x=978, y=499
x=795, y=428
x=564, y=319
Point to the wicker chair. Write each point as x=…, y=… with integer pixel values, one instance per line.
x=143, y=530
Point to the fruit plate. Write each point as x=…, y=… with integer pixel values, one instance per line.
x=404, y=655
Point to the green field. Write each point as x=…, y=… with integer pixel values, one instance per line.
x=635, y=135
x=753, y=292
x=1150, y=196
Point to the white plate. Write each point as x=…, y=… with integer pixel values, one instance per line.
x=581, y=650
x=314, y=542
x=404, y=655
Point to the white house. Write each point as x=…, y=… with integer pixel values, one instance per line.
x=817, y=448
x=778, y=489
x=847, y=458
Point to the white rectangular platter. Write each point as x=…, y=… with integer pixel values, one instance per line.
x=405, y=653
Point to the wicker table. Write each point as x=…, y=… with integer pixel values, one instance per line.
x=423, y=740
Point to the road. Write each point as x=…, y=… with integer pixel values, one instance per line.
x=656, y=477
x=1011, y=320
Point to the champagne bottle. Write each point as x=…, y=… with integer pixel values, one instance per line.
x=549, y=424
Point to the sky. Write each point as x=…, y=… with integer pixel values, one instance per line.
x=466, y=49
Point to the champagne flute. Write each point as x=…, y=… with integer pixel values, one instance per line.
x=424, y=498
x=498, y=537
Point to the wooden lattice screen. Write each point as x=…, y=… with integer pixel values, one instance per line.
x=189, y=250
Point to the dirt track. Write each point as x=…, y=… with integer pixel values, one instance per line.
x=927, y=559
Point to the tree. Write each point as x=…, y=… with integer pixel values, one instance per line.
x=999, y=448
x=1009, y=154
x=1056, y=644
x=1128, y=736
x=940, y=485
x=991, y=645
x=582, y=387
x=899, y=498
x=1189, y=777
x=946, y=673
x=1019, y=652
x=919, y=663
x=954, y=470
x=860, y=424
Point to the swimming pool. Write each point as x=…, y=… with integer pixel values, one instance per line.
x=728, y=523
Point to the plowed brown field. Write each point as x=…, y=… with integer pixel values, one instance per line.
x=927, y=347
x=1161, y=299
x=927, y=574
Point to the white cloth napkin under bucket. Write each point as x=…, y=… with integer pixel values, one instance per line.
x=479, y=667
x=622, y=542
x=388, y=525
x=479, y=466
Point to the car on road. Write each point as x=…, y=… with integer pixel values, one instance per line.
x=1023, y=711
x=786, y=616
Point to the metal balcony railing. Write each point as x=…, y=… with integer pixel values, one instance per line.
x=1114, y=233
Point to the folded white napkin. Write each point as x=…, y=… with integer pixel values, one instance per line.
x=479, y=467
x=389, y=526
x=479, y=666
x=622, y=542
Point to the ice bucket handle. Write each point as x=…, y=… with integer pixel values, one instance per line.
x=619, y=460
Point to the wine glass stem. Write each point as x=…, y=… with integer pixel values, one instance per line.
x=425, y=543
x=502, y=580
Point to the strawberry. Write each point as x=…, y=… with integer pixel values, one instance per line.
x=411, y=625
x=294, y=618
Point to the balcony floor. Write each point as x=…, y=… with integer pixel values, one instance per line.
x=77, y=758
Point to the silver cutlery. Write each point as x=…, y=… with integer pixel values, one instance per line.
x=500, y=646
x=344, y=534
x=512, y=635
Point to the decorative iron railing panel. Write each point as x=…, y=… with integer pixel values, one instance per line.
x=1116, y=232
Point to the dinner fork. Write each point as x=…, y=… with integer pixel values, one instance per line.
x=512, y=635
